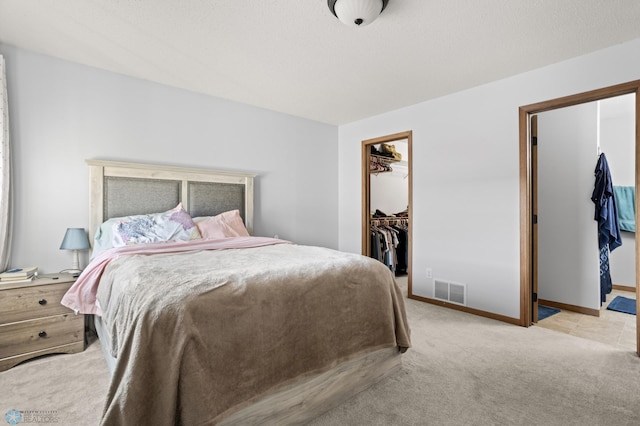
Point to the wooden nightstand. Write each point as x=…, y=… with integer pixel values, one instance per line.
x=34, y=323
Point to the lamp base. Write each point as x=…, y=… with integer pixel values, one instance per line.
x=75, y=272
x=75, y=266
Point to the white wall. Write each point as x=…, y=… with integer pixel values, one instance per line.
x=568, y=253
x=617, y=131
x=63, y=113
x=466, y=175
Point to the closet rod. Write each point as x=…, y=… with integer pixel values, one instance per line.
x=389, y=219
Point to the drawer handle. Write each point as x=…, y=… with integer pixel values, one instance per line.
x=42, y=302
x=42, y=334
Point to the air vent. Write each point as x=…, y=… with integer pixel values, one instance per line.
x=450, y=292
x=441, y=290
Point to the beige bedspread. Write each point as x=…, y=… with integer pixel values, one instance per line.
x=199, y=335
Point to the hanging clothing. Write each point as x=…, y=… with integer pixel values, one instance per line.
x=387, y=241
x=606, y=285
x=389, y=244
x=609, y=237
x=605, y=206
x=402, y=250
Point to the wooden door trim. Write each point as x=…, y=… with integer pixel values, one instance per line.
x=534, y=207
x=525, y=182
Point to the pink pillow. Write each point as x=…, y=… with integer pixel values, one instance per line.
x=224, y=225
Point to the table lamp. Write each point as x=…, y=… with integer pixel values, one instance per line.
x=75, y=239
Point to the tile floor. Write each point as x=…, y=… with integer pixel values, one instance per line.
x=611, y=327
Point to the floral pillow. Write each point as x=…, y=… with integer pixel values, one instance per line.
x=224, y=225
x=175, y=224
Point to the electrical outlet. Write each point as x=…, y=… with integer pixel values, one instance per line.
x=429, y=273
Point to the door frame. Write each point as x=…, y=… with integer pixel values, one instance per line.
x=366, y=194
x=533, y=126
x=526, y=183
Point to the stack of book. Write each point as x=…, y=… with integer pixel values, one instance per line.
x=19, y=275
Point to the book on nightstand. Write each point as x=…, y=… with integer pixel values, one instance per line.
x=21, y=280
x=19, y=274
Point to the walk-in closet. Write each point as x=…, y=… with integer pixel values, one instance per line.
x=387, y=201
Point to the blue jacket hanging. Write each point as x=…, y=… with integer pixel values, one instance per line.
x=609, y=236
x=605, y=207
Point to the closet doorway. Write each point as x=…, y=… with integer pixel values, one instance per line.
x=529, y=186
x=387, y=187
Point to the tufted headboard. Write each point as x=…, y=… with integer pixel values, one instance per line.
x=123, y=189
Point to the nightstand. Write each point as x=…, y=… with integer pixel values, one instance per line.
x=34, y=323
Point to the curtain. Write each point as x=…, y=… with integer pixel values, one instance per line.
x=6, y=192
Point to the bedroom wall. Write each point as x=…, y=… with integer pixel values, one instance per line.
x=62, y=113
x=466, y=175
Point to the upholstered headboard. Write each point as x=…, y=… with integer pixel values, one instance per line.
x=122, y=189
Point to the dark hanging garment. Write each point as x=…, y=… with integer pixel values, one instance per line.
x=609, y=237
x=401, y=251
x=606, y=285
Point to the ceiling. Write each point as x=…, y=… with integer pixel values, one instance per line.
x=295, y=57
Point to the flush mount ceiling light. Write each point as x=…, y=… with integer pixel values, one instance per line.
x=357, y=13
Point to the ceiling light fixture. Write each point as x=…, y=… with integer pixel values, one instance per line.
x=357, y=13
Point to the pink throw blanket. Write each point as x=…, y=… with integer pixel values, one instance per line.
x=81, y=297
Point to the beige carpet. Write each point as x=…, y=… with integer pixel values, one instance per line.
x=462, y=370
x=70, y=388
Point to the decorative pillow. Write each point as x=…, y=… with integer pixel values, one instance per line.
x=175, y=224
x=224, y=225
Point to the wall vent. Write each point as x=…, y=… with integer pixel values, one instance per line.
x=441, y=290
x=450, y=292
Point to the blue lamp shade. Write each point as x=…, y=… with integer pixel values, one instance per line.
x=75, y=239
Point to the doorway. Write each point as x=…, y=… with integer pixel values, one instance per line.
x=528, y=182
x=374, y=166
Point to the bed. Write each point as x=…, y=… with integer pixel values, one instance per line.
x=217, y=326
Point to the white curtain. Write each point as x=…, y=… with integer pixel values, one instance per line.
x=6, y=193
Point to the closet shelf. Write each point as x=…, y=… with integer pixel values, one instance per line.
x=383, y=158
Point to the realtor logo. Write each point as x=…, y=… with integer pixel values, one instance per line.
x=13, y=417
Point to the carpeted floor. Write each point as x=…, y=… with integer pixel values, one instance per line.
x=462, y=370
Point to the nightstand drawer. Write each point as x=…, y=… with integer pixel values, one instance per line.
x=32, y=302
x=30, y=336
